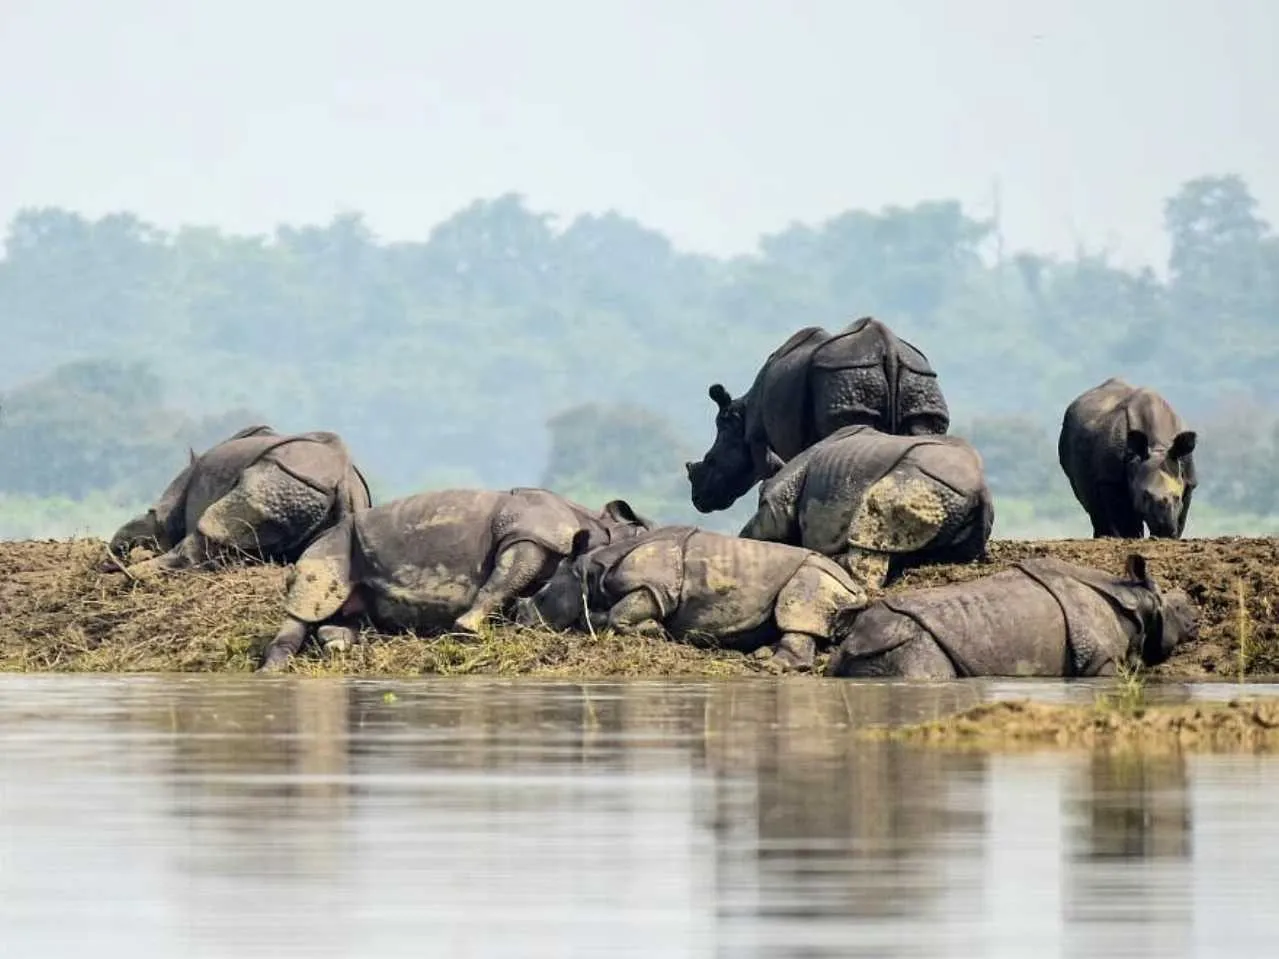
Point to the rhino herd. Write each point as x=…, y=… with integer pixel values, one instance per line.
x=846, y=437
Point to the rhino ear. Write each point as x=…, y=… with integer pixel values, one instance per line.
x=720, y=396
x=1138, y=444
x=621, y=511
x=1137, y=570
x=1183, y=445
x=580, y=544
x=191, y=454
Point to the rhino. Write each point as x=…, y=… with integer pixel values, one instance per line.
x=258, y=494
x=439, y=560
x=879, y=503
x=1041, y=617
x=701, y=587
x=810, y=386
x=1130, y=461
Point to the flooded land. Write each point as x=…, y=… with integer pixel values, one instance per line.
x=484, y=816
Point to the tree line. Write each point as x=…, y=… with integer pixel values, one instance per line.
x=507, y=349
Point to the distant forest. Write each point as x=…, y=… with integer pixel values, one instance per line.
x=505, y=349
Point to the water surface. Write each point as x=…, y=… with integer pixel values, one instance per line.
x=226, y=816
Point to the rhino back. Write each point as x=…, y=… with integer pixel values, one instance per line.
x=218, y=470
x=730, y=585
x=777, y=405
x=1005, y=624
x=1094, y=434
x=430, y=551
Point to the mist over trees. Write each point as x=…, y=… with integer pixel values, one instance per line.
x=507, y=349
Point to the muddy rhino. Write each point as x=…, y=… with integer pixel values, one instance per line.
x=1130, y=461
x=258, y=494
x=879, y=504
x=445, y=559
x=699, y=586
x=810, y=386
x=1042, y=617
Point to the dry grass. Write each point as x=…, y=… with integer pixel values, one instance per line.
x=1237, y=725
x=60, y=614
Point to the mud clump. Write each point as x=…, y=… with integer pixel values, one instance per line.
x=1234, y=726
x=57, y=612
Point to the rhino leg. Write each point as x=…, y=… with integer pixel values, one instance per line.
x=267, y=513
x=192, y=552
x=805, y=610
x=636, y=613
x=517, y=568
x=292, y=634
x=900, y=513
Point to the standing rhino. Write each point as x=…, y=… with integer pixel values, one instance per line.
x=879, y=503
x=813, y=384
x=259, y=493
x=1042, y=617
x=1130, y=461
x=437, y=560
x=696, y=584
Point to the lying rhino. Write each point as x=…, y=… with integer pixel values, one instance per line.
x=1130, y=461
x=813, y=384
x=1042, y=617
x=695, y=584
x=258, y=493
x=437, y=560
x=879, y=503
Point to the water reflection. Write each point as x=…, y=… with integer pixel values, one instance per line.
x=203, y=816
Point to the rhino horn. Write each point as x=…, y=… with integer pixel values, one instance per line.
x=720, y=396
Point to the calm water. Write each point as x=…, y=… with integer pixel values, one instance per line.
x=242, y=817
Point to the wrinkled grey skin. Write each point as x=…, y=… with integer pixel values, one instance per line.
x=446, y=559
x=1130, y=461
x=813, y=384
x=699, y=587
x=1043, y=617
x=257, y=495
x=879, y=504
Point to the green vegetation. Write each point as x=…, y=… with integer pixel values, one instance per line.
x=503, y=350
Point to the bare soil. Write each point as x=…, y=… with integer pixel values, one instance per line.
x=58, y=613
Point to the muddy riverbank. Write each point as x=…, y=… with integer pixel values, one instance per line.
x=58, y=613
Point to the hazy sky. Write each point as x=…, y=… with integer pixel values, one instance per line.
x=713, y=120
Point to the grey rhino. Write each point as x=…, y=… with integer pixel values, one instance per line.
x=878, y=503
x=1042, y=617
x=437, y=560
x=257, y=493
x=1130, y=461
x=698, y=585
x=810, y=386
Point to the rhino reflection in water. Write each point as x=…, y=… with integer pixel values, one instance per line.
x=437, y=560
x=700, y=586
x=1043, y=617
x=257, y=493
x=879, y=503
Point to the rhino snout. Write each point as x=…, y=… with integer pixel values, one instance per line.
x=525, y=613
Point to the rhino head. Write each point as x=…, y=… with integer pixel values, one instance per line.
x=727, y=471
x=562, y=601
x=1158, y=481
x=1170, y=618
x=162, y=526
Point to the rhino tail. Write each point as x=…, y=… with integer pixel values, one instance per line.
x=322, y=579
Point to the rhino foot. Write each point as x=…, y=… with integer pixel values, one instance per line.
x=337, y=639
x=471, y=622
